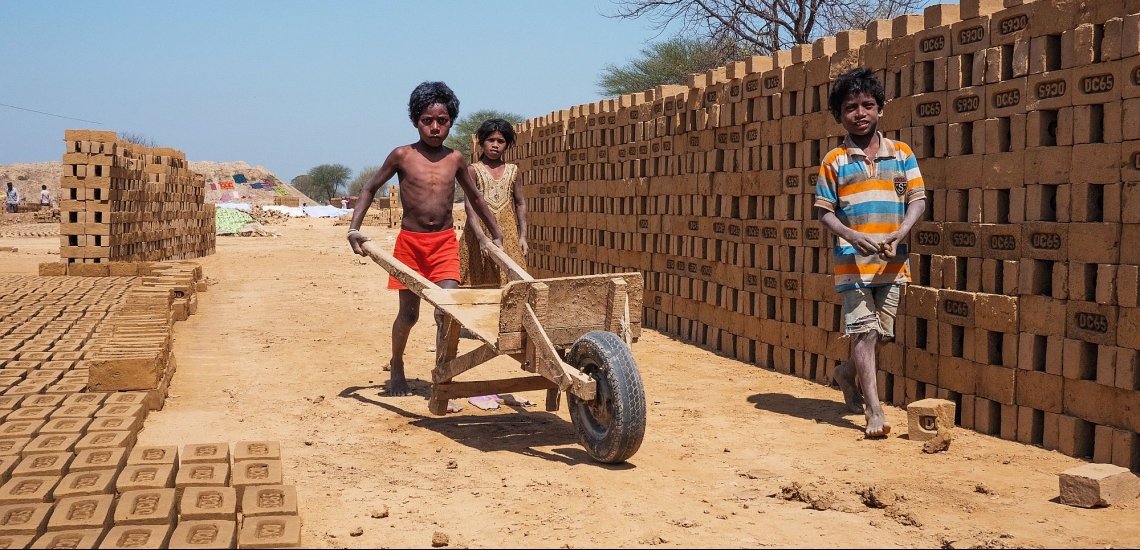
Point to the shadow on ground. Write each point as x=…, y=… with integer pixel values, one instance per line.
x=808, y=408
x=522, y=432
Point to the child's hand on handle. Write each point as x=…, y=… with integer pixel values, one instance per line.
x=355, y=240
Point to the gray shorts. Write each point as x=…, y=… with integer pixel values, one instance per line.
x=871, y=308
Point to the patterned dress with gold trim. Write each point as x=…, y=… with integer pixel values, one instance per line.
x=499, y=194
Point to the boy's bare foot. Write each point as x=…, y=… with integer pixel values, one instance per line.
x=877, y=425
x=852, y=395
x=397, y=385
x=453, y=407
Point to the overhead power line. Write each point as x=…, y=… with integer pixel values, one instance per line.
x=48, y=114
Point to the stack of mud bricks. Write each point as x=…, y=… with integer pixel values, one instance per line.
x=1025, y=119
x=287, y=201
x=121, y=202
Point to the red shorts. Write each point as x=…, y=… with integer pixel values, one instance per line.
x=433, y=255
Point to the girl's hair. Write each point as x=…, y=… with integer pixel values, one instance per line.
x=429, y=93
x=493, y=125
x=856, y=81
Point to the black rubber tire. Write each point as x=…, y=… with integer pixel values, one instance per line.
x=612, y=425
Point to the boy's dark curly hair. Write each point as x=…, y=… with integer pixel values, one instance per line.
x=429, y=93
x=855, y=81
x=493, y=125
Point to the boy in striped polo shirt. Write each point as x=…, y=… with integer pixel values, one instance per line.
x=869, y=194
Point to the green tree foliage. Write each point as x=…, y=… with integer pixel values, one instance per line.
x=323, y=182
x=460, y=136
x=668, y=62
x=362, y=178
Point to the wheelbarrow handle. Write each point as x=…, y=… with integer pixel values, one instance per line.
x=414, y=281
x=513, y=270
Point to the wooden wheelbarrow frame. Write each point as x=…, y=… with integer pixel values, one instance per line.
x=533, y=321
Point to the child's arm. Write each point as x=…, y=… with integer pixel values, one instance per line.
x=475, y=199
x=914, y=211
x=364, y=201
x=862, y=242
x=472, y=224
x=520, y=213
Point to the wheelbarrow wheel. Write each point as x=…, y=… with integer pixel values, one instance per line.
x=612, y=425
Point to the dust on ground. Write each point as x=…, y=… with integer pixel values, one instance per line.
x=287, y=345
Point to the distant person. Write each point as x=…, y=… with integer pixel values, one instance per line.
x=426, y=241
x=45, y=197
x=11, y=200
x=869, y=194
x=502, y=189
x=344, y=203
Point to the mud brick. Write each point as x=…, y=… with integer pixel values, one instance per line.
x=121, y=410
x=146, y=507
x=987, y=416
x=1046, y=241
x=1004, y=99
x=956, y=307
x=961, y=239
x=1039, y=390
x=1106, y=365
x=145, y=476
x=1051, y=431
x=75, y=411
x=20, y=429
x=1094, y=242
x=27, y=490
x=926, y=416
x=106, y=440
x=996, y=312
x=1129, y=232
x=1106, y=284
x=7, y=463
x=926, y=238
x=1092, y=485
x=1001, y=241
x=958, y=375
x=1054, y=353
x=98, y=459
x=30, y=413
x=1102, y=444
x=13, y=446
x=204, y=534
x=206, y=452
x=1091, y=322
x=202, y=474
x=1074, y=436
x=1127, y=369
x=272, y=500
x=996, y=383
x=208, y=503
x=1039, y=315
x=46, y=464
x=271, y=532
x=1099, y=163
x=1030, y=425
x=114, y=423
x=84, y=512
x=1087, y=400
x=1126, y=448
x=93, y=398
x=137, y=536
x=71, y=538
x=51, y=443
x=24, y=519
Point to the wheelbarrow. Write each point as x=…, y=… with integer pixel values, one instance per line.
x=572, y=333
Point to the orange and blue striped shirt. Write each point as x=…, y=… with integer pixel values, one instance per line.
x=870, y=198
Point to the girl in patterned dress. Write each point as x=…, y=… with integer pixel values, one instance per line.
x=499, y=184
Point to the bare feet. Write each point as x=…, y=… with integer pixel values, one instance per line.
x=852, y=395
x=453, y=407
x=397, y=385
x=877, y=425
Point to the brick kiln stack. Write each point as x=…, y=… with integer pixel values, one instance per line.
x=1025, y=307
x=121, y=202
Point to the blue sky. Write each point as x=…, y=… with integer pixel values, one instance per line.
x=284, y=84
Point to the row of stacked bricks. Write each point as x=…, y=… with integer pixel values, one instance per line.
x=122, y=202
x=1025, y=119
x=70, y=472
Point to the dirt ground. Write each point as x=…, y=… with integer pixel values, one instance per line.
x=287, y=345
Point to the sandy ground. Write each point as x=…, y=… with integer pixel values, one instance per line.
x=287, y=345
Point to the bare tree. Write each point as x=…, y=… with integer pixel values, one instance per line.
x=767, y=25
x=137, y=139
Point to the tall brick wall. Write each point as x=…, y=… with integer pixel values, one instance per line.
x=1026, y=122
x=121, y=202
